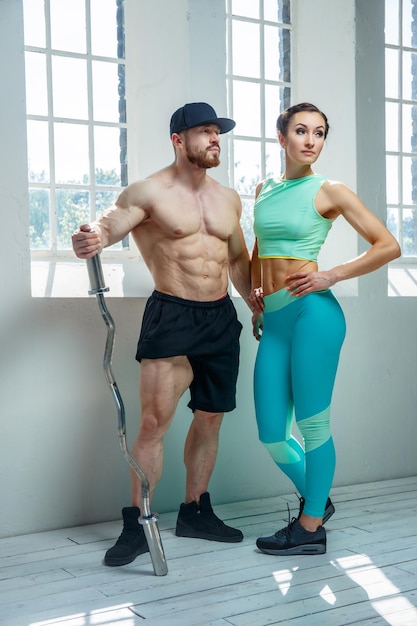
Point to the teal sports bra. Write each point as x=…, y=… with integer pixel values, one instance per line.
x=286, y=222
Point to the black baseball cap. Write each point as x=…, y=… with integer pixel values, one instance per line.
x=198, y=114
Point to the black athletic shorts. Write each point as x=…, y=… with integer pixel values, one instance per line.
x=205, y=332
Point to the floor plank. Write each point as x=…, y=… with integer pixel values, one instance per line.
x=368, y=575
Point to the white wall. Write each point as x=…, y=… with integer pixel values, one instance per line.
x=60, y=463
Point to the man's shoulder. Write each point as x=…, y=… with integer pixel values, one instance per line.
x=145, y=189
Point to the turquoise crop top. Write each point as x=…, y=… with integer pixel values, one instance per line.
x=286, y=223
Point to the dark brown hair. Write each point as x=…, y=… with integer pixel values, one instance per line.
x=284, y=119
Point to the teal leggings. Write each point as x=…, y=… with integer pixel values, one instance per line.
x=295, y=371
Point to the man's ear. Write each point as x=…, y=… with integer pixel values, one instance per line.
x=176, y=139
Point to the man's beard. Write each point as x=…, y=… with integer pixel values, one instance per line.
x=202, y=158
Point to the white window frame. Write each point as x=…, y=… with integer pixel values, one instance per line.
x=55, y=272
x=265, y=140
x=403, y=271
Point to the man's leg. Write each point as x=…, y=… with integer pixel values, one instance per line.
x=161, y=384
x=196, y=517
x=200, y=453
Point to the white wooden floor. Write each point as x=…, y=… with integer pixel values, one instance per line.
x=367, y=577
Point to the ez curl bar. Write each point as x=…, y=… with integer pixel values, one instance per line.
x=148, y=520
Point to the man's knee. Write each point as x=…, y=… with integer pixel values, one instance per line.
x=151, y=426
x=205, y=421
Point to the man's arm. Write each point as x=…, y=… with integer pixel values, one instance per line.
x=113, y=226
x=239, y=261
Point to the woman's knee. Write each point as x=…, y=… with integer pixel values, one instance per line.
x=284, y=452
x=315, y=429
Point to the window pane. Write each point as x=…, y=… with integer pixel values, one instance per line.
x=247, y=166
x=409, y=180
x=391, y=73
x=391, y=22
x=273, y=163
x=246, y=222
x=392, y=222
x=39, y=219
x=271, y=10
x=392, y=179
x=272, y=110
x=247, y=8
x=69, y=78
x=272, y=53
x=105, y=92
x=409, y=232
x=247, y=113
x=36, y=92
x=409, y=24
x=409, y=128
x=409, y=75
x=34, y=23
x=104, y=29
x=391, y=126
x=246, y=38
x=107, y=155
x=38, y=151
x=72, y=209
x=66, y=148
x=71, y=153
x=68, y=27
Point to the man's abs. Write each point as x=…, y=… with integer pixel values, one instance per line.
x=193, y=267
x=197, y=286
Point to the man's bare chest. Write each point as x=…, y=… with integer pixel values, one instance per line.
x=181, y=218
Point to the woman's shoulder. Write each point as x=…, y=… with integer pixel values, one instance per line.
x=335, y=187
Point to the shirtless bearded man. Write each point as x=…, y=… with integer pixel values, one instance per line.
x=186, y=226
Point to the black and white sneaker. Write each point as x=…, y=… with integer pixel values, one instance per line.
x=294, y=539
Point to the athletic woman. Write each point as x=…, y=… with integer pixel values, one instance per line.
x=303, y=326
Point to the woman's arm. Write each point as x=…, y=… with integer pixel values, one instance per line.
x=383, y=246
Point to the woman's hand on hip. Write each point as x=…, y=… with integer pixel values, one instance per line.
x=302, y=283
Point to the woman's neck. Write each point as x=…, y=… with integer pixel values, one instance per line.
x=296, y=171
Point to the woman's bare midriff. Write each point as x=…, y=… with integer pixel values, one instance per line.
x=275, y=272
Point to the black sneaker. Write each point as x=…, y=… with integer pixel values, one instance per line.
x=201, y=522
x=328, y=511
x=131, y=542
x=294, y=539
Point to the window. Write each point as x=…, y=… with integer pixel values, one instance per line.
x=259, y=82
x=401, y=138
x=76, y=116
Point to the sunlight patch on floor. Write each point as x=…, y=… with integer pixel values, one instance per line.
x=119, y=615
x=387, y=598
x=283, y=578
